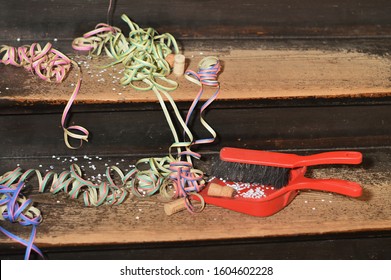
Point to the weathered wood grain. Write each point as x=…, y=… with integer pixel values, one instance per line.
x=67, y=222
x=36, y=20
x=247, y=74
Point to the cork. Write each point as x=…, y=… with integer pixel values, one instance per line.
x=175, y=206
x=170, y=59
x=179, y=65
x=220, y=191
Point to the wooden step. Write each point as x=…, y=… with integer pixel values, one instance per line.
x=68, y=224
x=247, y=74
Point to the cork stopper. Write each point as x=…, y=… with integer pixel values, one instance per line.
x=220, y=191
x=170, y=59
x=175, y=206
x=179, y=65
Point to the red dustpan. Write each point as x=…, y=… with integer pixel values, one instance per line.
x=275, y=200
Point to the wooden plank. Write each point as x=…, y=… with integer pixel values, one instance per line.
x=211, y=19
x=247, y=74
x=68, y=223
x=34, y=132
x=348, y=246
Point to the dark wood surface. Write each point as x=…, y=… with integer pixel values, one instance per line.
x=276, y=128
x=45, y=19
x=350, y=246
x=314, y=225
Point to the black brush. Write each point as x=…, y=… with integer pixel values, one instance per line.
x=272, y=168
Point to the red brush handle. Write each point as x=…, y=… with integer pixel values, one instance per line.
x=328, y=185
x=285, y=160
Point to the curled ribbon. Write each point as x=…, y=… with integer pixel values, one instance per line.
x=209, y=67
x=46, y=62
x=14, y=207
x=81, y=132
x=72, y=183
x=143, y=54
x=50, y=65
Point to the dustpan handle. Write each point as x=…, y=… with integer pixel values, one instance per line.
x=287, y=160
x=335, y=157
x=339, y=186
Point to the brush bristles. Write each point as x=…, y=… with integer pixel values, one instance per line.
x=276, y=177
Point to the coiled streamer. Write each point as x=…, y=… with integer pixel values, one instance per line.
x=50, y=65
x=14, y=207
x=143, y=54
x=209, y=67
x=47, y=63
x=72, y=183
